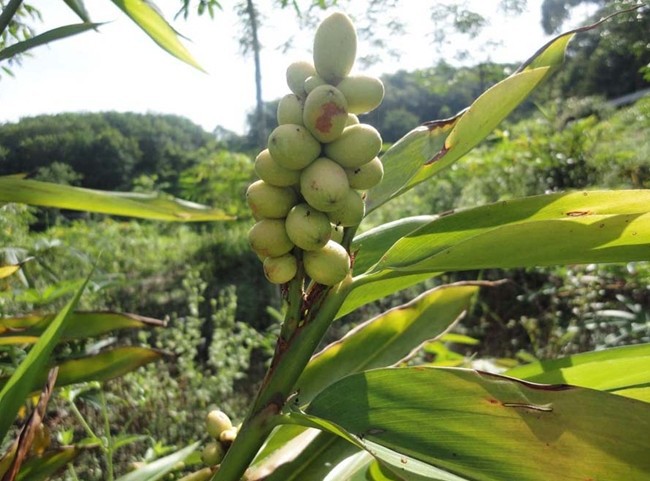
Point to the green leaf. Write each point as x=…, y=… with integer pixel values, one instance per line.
x=370, y=287
x=50, y=463
x=371, y=245
x=487, y=427
x=78, y=7
x=387, y=339
x=147, y=17
x=159, y=468
x=6, y=271
x=31, y=373
x=143, y=206
x=308, y=456
x=617, y=369
x=47, y=37
x=422, y=153
x=100, y=367
x=577, y=227
x=81, y=325
x=406, y=157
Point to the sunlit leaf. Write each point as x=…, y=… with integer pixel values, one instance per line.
x=6, y=271
x=406, y=157
x=160, y=467
x=387, y=339
x=47, y=37
x=617, y=369
x=100, y=367
x=416, y=158
x=486, y=427
x=30, y=373
x=370, y=287
x=81, y=325
x=149, y=19
x=308, y=456
x=144, y=206
x=371, y=245
x=565, y=228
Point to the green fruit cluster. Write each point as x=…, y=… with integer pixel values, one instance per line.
x=220, y=428
x=318, y=162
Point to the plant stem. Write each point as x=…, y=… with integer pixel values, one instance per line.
x=8, y=13
x=83, y=421
x=109, y=440
x=291, y=357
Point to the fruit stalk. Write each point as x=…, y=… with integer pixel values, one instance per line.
x=291, y=357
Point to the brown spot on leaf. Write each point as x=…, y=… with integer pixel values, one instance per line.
x=578, y=213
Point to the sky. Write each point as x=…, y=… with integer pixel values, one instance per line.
x=121, y=69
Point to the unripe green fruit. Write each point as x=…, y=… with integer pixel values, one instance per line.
x=297, y=73
x=228, y=436
x=325, y=113
x=280, y=270
x=216, y=422
x=268, y=238
x=312, y=82
x=270, y=202
x=363, y=93
x=329, y=265
x=289, y=110
x=324, y=184
x=366, y=176
x=351, y=212
x=352, y=120
x=273, y=173
x=293, y=147
x=335, y=48
x=337, y=233
x=212, y=453
x=308, y=228
x=202, y=475
x=357, y=145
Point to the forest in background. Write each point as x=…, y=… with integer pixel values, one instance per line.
x=204, y=281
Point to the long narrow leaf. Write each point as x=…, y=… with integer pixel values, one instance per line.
x=78, y=7
x=577, y=227
x=50, y=463
x=143, y=206
x=414, y=161
x=486, y=427
x=58, y=33
x=159, y=468
x=100, y=367
x=29, y=373
x=153, y=24
x=616, y=370
x=386, y=339
x=80, y=326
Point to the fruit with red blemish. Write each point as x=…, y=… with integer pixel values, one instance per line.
x=325, y=113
